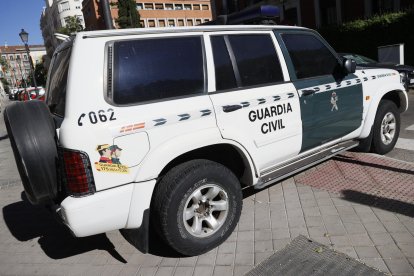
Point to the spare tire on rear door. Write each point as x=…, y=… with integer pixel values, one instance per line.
x=32, y=136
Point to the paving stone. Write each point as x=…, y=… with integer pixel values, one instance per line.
x=399, y=266
x=382, y=239
x=313, y=221
x=169, y=262
x=377, y=263
x=188, y=261
x=296, y=231
x=245, y=247
x=203, y=271
x=280, y=233
x=239, y=270
x=263, y=235
x=227, y=247
x=360, y=240
x=165, y=271
x=207, y=259
x=390, y=251
x=403, y=238
x=336, y=229
x=317, y=231
x=225, y=259
x=245, y=236
x=261, y=256
x=348, y=250
x=394, y=227
x=366, y=252
x=339, y=241
x=354, y=228
x=244, y=259
x=280, y=244
x=183, y=271
x=263, y=246
x=146, y=271
x=375, y=227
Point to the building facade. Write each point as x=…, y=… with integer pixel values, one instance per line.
x=54, y=16
x=153, y=13
x=18, y=65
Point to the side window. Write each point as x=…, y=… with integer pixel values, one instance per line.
x=245, y=60
x=310, y=57
x=256, y=59
x=56, y=86
x=154, y=69
x=225, y=78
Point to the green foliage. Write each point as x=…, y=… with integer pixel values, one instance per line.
x=128, y=16
x=73, y=25
x=4, y=64
x=365, y=36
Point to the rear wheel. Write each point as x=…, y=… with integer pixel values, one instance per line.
x=32, y=135
x=196, y=206
x=386, y=127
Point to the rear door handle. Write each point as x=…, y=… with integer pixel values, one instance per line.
x=231, y=108
x=308, y=92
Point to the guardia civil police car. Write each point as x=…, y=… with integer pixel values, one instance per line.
x=161, y=129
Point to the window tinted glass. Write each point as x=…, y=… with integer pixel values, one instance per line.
x=153, y=69
x=309, y=55
x=56, y=87
x=256, y=59
x=224, y=70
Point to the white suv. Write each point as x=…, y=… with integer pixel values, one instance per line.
x=161, y=129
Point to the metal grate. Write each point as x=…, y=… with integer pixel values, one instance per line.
x=306, y=257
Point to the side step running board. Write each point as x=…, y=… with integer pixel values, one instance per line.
x=295, y=166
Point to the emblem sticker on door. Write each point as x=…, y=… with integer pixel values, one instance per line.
x=109, y=160
x=334, y=100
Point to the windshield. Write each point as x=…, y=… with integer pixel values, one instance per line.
x=56, y=86
x=359, y=59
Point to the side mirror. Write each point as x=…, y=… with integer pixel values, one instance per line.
x=349, y=66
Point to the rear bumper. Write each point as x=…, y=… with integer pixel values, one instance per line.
x=113, y=209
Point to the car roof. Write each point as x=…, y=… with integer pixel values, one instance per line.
x=206, y=28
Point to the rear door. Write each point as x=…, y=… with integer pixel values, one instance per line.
x=330, y=101
x=254, y=101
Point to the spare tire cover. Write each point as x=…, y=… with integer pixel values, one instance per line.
x=32, y=134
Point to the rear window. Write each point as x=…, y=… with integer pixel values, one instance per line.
x=157, y=69
x=56, y=87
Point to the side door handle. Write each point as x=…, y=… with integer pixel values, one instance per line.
x=231, y=108
x=308, y=92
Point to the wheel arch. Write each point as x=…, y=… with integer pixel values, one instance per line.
x=225, y=154
x=398, y=96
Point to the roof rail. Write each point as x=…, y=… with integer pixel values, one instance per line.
x=265, y=14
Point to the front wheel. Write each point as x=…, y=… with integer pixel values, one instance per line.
x=386, y=127
x=196, y=206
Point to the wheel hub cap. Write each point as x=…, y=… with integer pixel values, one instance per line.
x=205, y=211
x=388, y=126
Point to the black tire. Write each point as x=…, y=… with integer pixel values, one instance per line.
x=172, y=195
x=385, y=108
x=32, y=135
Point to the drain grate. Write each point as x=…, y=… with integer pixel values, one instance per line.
x=305, y=257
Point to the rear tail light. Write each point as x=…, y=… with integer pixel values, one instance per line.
x=77, y=174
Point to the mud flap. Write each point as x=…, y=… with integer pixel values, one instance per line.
x=139, y=237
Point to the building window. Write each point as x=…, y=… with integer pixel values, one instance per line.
x=206, y=20
x=171, y=23
x=139, y=6
x=196, y=7
x=190, y=22
x=11, y=57
x=64, y=6
x=24, y=57
x=148, y=6
x=151, y=23
x=180, y=22
x=198, y=21
x=159, y=6
x=80, y=18
x=204, y=7
x=161, y=23
x=142, y=23
x=168, y=6
x=187, y=7
x=178, y=6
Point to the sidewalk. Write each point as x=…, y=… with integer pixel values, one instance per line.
x=359, y=204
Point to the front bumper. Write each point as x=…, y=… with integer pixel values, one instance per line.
x=113, y=209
